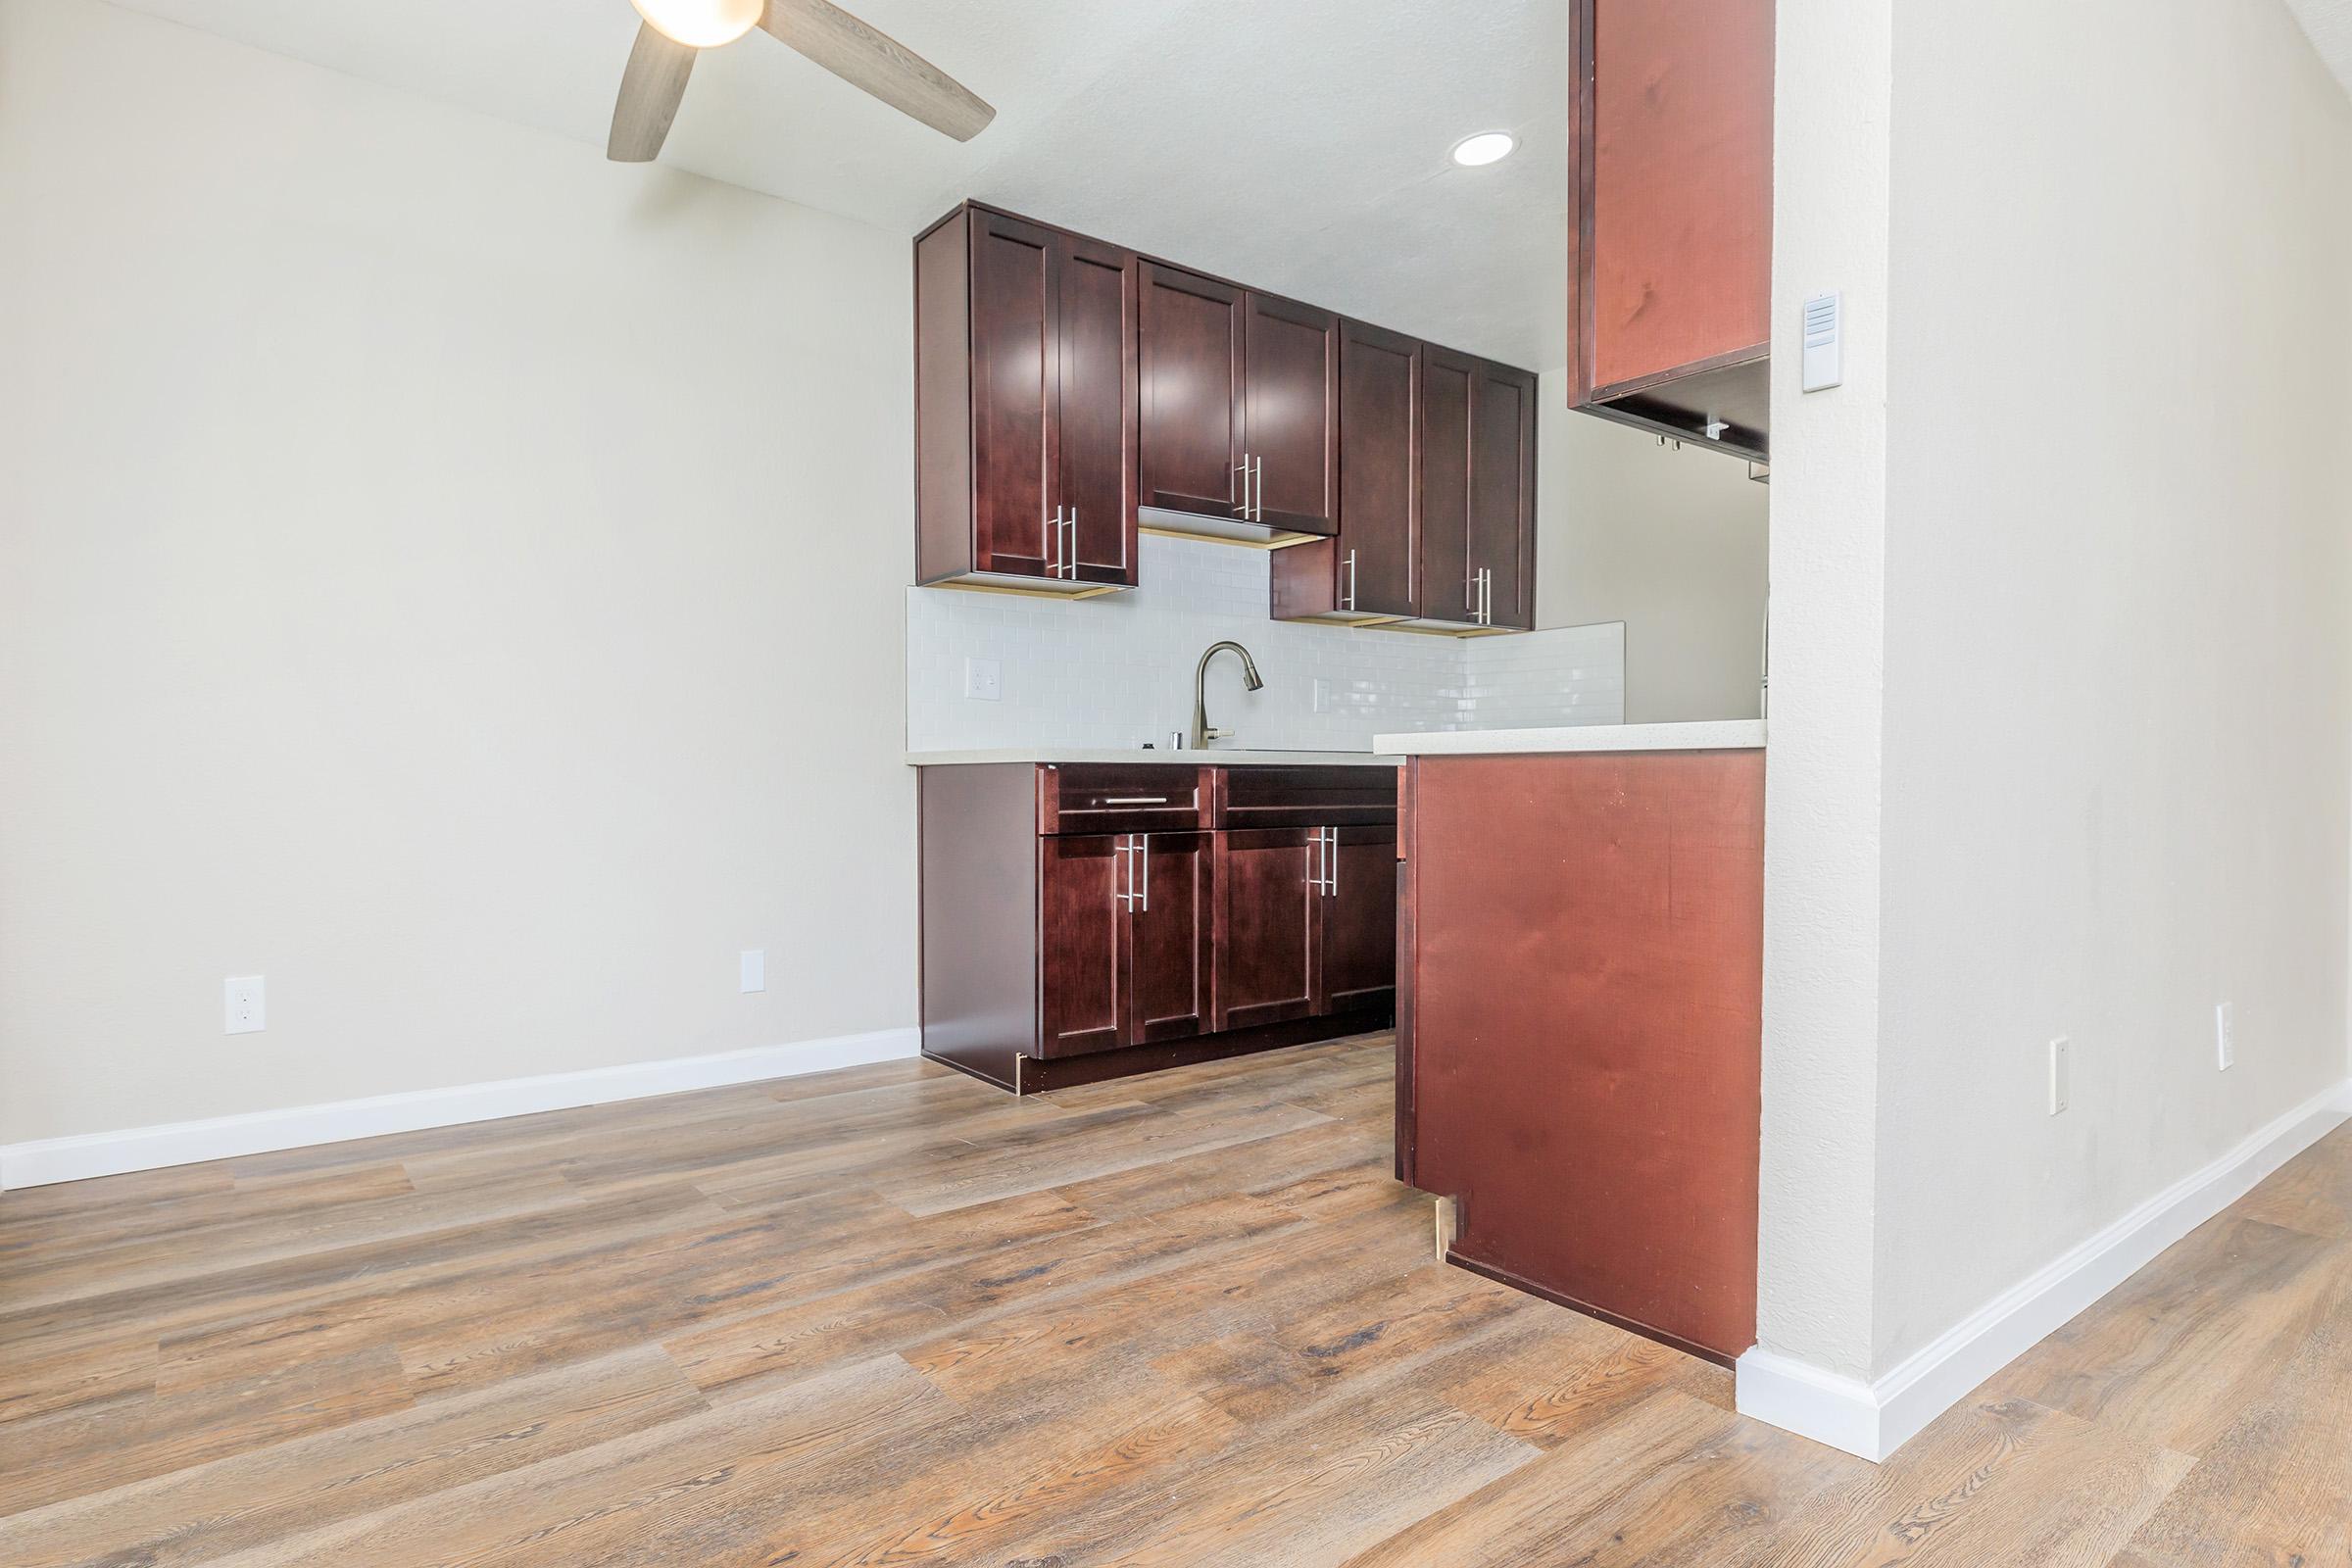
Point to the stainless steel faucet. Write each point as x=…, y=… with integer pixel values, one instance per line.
x=1202, y=732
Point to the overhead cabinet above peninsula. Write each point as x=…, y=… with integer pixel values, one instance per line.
x=1670, y=217
x=1071, y=394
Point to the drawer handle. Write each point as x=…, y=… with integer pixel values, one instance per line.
x=1135, y=800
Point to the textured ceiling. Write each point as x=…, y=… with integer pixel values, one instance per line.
x=2330, y=23
x=1300, y=145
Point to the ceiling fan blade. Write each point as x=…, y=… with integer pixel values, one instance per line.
x=878, y=64
x=650, y=90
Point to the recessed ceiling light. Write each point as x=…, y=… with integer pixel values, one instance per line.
x=1486, y=147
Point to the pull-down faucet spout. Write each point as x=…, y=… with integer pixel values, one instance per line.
x=1203, y=732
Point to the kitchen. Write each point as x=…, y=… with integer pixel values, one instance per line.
x=1406, y=791
x=796, y=783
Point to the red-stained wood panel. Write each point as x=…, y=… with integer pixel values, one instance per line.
x=1678, y=185
x=1586, y=997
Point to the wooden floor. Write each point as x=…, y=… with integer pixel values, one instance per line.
x=891, y=1315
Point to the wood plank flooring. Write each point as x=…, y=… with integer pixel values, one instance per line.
x=890, y=1315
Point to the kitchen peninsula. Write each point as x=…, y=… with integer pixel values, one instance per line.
x=1580, y=990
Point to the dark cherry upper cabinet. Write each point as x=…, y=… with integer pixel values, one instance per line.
x=1502, y=497
x=1291, y=414
x=1025, y=407
x=1240, y=407
x=1478, y=495
x=1371, y=571
x=1189, y=359
x=1670, y=216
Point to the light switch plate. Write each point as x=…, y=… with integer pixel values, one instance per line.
x=752, y=968
x=2225, y=1034
x=982, y=681
x=2062, y=1072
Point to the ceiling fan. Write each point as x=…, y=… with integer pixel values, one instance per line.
x=674, y=32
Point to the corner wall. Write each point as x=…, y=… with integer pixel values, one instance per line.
x=2062, y=674
x=2119, y=615
x=448, y=573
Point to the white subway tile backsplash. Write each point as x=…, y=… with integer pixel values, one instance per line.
x=1119, y=672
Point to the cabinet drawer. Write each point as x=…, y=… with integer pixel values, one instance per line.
x=1305, y=796
x=1121, y=798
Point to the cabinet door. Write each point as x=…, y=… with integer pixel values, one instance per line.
x=1502, y=491
x=1266, y=911
x=1189, y=359
x=1080, y=936
x=1012, y=395
x=1170, y=951
x=1380, y=501
x=1094, y=406
x=1447, y=588
x=1673, y=162
x=1358, y=967
x=1289, y=413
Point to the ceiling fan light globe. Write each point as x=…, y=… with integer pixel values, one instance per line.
x=700, y=23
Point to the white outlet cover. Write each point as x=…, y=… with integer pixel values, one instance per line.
x=752, y=968
x=983, y=681
x=2062, y=1072
x=2225, y=1034
x=244, y=1006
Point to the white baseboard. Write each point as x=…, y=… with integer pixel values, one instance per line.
x=69, y=1159
x=1874, y=1419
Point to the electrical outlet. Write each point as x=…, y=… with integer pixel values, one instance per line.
x=981, y=680
x=752, y=968
x=2225, y=1034
x=2062, y=1072
x=243, y=1006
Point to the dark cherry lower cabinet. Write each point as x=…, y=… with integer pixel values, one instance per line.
x=1086, y=922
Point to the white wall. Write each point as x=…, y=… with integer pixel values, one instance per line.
x=1671, y=542
x=2140, y=539
x=448, y=573
x=2062, y=669
x=1117, y=671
